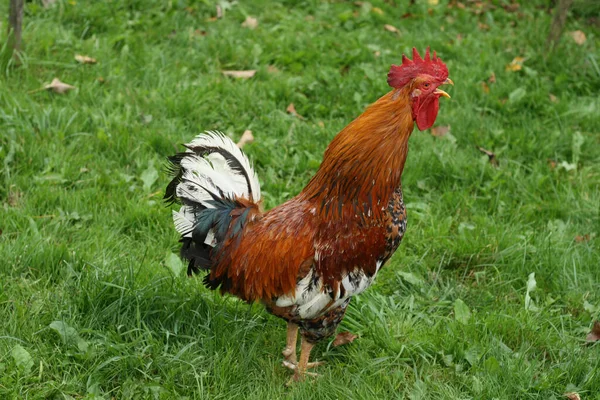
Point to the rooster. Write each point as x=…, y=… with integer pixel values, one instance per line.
x=306, y=259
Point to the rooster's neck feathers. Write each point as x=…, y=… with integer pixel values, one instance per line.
x=363, y=164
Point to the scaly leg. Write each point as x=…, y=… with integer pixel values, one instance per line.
x=290, y=348
x=300, y=371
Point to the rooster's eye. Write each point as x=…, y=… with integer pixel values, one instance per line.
x=426, y=86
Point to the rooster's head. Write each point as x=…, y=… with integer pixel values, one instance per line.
x=421, y=76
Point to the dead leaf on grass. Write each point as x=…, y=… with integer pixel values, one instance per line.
x=516, y=64
x=485, y=87
x=483, y=27
x=292, y=110
x=439, y=131
x=552, y=164
x=572, y=396
x=377, y=10
x=250, y=23
x=240, y=74
x=272, y=69
x=493, y=160
x=321, y=124
x=391, y=28
x=219, y=11
x=578, y=36
x=247, y=137
x=594, y=335
x=85, y=59
x=492, y=78
x=343, y=338
x=56, y=86
x=582, y=238
x=553, y=98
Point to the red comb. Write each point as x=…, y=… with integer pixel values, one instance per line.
x=400, y=75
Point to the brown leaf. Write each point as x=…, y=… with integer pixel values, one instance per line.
x=485, y=87
x=240, y=74
x=219, y=11
x=58, y=87
x=292, y=110
x=582, y=238
x=247, y=137
x=343, y=338
x=272, y=69
x=493, y=160
x=250, y=23
x=516, y=64
x=483, y=27
x=407, y=15
x=578, y=37
x=101, y=79
x=552, y=164
x=572, y=396
x=492, y=78
x=85, y=59
x=439, y=131
x=553, y=98
x=594, y=335
x=511, y=7
x=391, y=28
x=199, y=32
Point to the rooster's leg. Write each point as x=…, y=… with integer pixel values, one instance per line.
x=300, y=371
x=290, y=348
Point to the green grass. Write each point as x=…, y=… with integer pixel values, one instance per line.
x=86, y=240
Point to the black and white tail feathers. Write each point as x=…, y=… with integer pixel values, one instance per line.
x=207, y=180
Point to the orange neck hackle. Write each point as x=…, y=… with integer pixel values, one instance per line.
x=363, y=164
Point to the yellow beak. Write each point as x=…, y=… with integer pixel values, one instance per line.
x=448, y=81
x=441, y=93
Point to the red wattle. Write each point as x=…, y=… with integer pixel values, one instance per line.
x=428, y=112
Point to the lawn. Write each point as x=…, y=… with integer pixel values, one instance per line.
x=491, y=294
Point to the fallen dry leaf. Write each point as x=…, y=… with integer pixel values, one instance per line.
x=516, y=64
x=377, y=10
x=219, y=11
x=572, y=396
x=439, y=131
x=578, y=37
x=485, y=87
x=321, y=124
x=240, y=74
x=552, y=163
x=199, y=32
x=492, y=78
x=247, y=137
x=553, y=98
x=594, y=335
x=56, y=86
x=292, y=110
x=391, y=28
x=85, y=59
x=407, y=15
x=343, y=338
x=250, y=23
x=493, y=160
x=483, y=27
x=100, y=79
x=582, y=238
x=377, y=53
x=272, y=69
